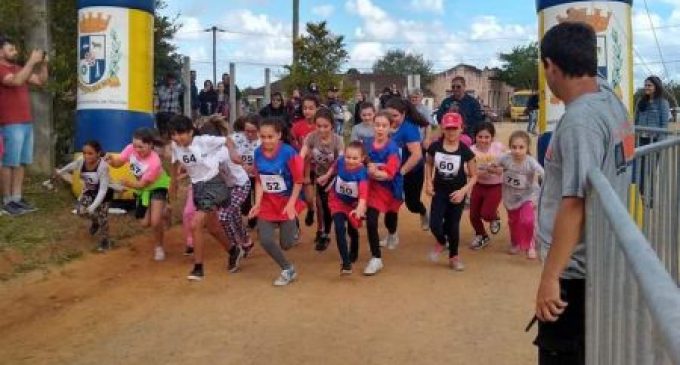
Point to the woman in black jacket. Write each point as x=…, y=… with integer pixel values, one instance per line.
x=207, y=99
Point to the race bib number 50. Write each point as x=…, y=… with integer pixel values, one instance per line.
x=447, y=164
x=273, y=183
x=348, y=188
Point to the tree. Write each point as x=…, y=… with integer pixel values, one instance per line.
x=520, y=67
x=353, y=71
x=399, y=62
x=320, y=54
x=166, y=58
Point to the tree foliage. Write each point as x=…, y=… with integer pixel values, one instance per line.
x=520, y=67
x=399, y=62
x=166, y=58
x=321, y=54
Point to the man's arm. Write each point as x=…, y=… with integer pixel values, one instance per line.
x=20, y=78
x=40, y=79
x=569, y=222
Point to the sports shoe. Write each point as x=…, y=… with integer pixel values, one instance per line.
x=480, y=242
x=13, y=209
x=383, y=242
x=196, y=274
x=455, y=263
x=322, y=242
x=23, y=204
x=513, y=250
x=94, y=227
x=235, y=256
x=374, y=265
x=309, y=218
x=425, y=222
x=436, y=251
x=247, y=248
x=495, y=226
x=531, y=254
x=392, y=241
x=104, y=245
x=188, y=250
x=159, y=253
x=346, y=269
x=287, y=276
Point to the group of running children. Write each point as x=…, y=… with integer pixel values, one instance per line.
x=270, y=174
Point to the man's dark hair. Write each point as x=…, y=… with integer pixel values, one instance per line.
x=458, y=78
x=4, y=40
x=572, y=46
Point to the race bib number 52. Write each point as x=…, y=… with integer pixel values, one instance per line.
x=273, y=183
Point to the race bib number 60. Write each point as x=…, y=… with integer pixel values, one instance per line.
x=447, y=164
x=273, y=183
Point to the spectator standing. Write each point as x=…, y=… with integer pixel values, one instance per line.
x=294, y=106
x=16, y=121
x=222, y=100
x=593, y=133
x=652, y=110
x=194, y=95
x=532, y=111
x=464, y=104
x=207, y=99
x=337, y=108
x=168, y=99
x=277, y=110
x=355, y=107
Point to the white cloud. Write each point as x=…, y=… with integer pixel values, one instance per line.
x=435, y=6
x=323, y=11
x=376, y=22
x=191, y=28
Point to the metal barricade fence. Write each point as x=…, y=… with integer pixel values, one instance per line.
x=633, y=298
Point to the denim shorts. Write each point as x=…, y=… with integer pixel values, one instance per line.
x=18, y=141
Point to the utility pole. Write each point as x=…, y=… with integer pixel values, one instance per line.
x=296, y=27
x=214, y=31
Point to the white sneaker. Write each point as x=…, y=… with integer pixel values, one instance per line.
x=455, y=263
x=159, y=254
x=287, y=276
x=480, y=242
x=495, y=226
x=374, y=265
x=425, y=222
x=392, y=241
x=383, y=242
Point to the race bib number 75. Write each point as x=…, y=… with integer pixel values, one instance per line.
x=273, y=183
x=515, y=180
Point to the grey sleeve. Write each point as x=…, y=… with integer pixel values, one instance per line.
x=72, y=166
x=665, y=113
x=103, y=172
x=581, y=149
x=538, y=169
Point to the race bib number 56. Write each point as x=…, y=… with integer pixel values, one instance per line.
x=273, y=183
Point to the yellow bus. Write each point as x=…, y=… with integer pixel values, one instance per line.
x=518, y=105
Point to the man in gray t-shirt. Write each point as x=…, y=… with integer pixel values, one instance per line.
x=594, y=133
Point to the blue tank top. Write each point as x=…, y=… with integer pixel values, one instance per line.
x=346, y=184
x=275, y=175
x=381, y=156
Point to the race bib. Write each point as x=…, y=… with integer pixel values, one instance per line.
x=273, y=183
x=188, y=159
x=90, y=179
x=347, y=188
x=248, y=159
x=137, y=167
x=447, y=164
x=515, y=180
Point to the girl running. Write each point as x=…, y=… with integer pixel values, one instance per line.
x=385, y=188
x=448, y=160
x=96, y=196
x=151, y=182
x=279, y=176
x=487, y=193
x=347, y=201
x=246, y=141
x=520, y=172
x=364, y=131
x=407, y=121
x=320, y=150
x=200, y=156
x=300, y=130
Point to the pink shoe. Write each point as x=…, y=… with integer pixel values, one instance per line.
x=455, y=263
x=531, y=254
x=513, y=250
x=436, y=251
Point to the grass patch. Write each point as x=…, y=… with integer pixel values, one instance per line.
x=52, y=235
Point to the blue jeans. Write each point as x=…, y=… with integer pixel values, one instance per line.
x=18, y=140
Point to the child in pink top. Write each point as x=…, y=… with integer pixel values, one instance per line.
x=487, y=193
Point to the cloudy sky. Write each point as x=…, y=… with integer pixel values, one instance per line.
x=447, y=32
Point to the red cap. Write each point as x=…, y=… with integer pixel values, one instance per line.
x=452, y=120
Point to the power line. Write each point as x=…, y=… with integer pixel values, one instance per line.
x=656, y=39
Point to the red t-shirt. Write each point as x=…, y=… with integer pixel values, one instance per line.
x=15, y=104
x=300, y=131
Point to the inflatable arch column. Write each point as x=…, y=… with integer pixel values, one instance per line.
x=612, y=21
x=115, y=70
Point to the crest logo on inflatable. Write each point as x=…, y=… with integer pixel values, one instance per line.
x=98, y=53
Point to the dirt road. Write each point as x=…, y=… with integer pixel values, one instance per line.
x=124, y=308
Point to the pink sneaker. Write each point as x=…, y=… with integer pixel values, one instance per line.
x=513, y=250
x=455, y=263
x=436, y=251
x=531, y=254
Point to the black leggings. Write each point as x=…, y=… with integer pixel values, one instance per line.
x=340, y=220
x=445, y=221
x=413, y=187
x=391, y=221
x=323, y=211
x=248, y=204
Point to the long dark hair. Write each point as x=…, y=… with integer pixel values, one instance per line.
x=643, y=104
x=405, y=106
x=148, y=136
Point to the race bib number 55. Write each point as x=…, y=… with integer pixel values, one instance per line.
x=273, y=183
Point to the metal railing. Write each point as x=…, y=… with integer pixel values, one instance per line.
x=633, y=298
